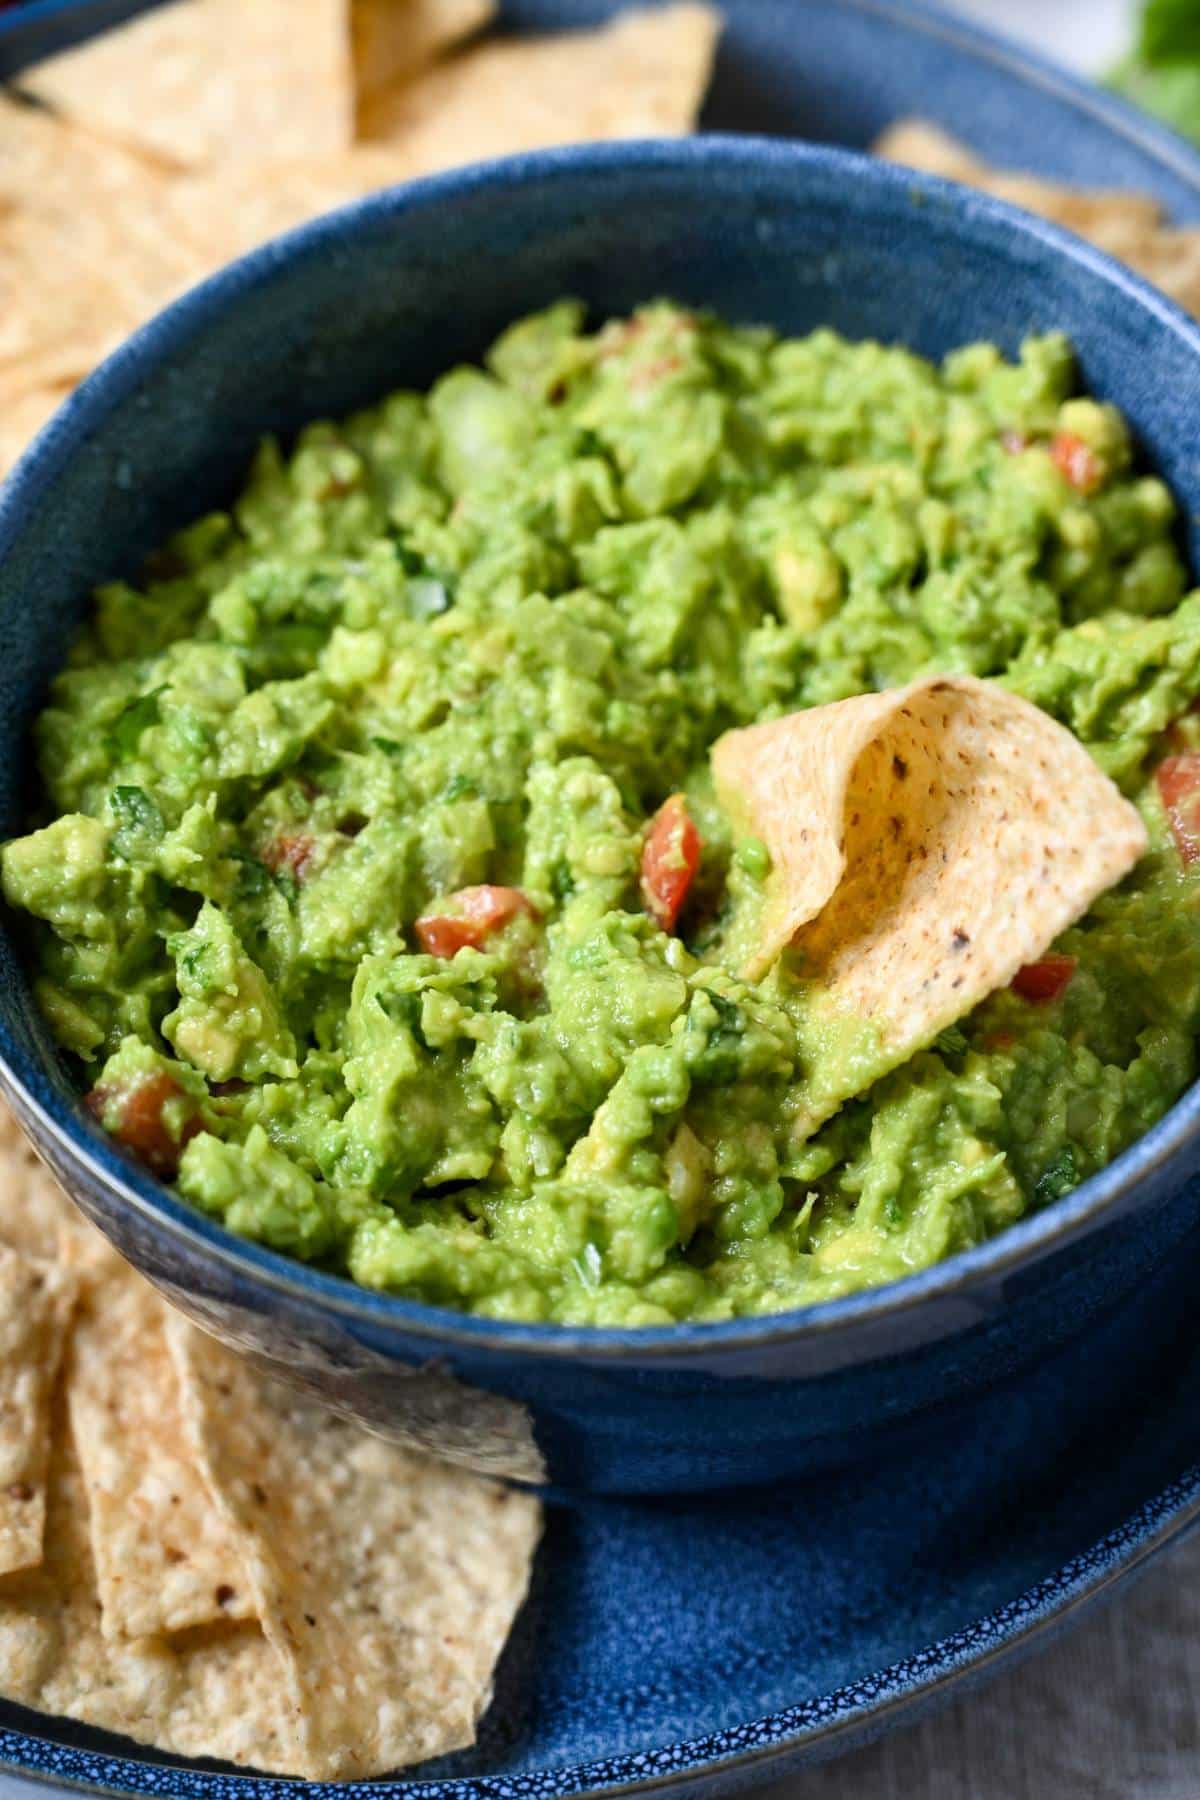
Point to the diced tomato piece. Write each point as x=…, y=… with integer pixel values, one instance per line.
x=653, y=372
x=999, y=1040
x=478, y=912
x=670, y=858
x=1178, y=779
x=1044, y=980
x=140, y=1124
x=294, y=851
x=1014, y=442
x=1074, y=459
x=616, y=338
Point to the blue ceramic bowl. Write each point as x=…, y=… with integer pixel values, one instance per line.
x=390, y=292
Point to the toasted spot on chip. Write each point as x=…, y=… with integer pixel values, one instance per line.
x=387, y=1582
x=165, y=1556
x=926, y=843
x=36, y=1299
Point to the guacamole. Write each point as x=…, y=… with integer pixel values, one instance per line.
x=380, y=894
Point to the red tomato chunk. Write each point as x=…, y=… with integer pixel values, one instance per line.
x=1080, y=465
x=670, y=859
x=140, y=1124
x=294, y=851
x=478, y=912
x=1044, y=980
x=1178, y=779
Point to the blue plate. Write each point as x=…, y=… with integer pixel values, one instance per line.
x=709, y=1643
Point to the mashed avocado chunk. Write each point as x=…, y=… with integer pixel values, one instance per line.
x=379, y=893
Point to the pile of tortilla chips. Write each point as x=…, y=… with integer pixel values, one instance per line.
x=1130, y=226
x=145, y=158
x=196, y=1557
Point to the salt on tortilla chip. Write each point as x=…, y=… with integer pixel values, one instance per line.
x=387, y=1583
x=392, y=40
x=926, y=843
x=165, y=1557
x=1126, y=224
x=214, y=1692
x=642, y=75
x=36, y=1300
x=194, y=82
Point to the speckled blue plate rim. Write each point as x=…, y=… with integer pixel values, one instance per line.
x=722, y=1761
x=23, y=1080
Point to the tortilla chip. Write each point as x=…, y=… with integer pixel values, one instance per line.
x=52, y=300
x=194, y=82
x=36, y=1301
x=108, y=204
x=926, y=843
x=386, y=1582
x=642, y=75
x=1126, y=224
x=164, y=1554
x=214, y=1692
x=392, y=40
x=920, y=145
x=36, y=1217
x=236, y=209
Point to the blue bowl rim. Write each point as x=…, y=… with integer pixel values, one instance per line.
x=81, y=1143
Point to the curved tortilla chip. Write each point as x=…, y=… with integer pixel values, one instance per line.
x=387, y=1582
x=926, y=843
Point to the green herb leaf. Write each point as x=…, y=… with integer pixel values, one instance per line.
x=1171, y=31
x=1059, y=1176
x=720, y=1059
x=405, y=1009
x=562, y=882
x=125, y=733
x=951, y=1042
x=253, y=876
x=137, y=819
x=460, y=787
x=288, y=886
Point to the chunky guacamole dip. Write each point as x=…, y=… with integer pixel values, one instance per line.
x=380, y=893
